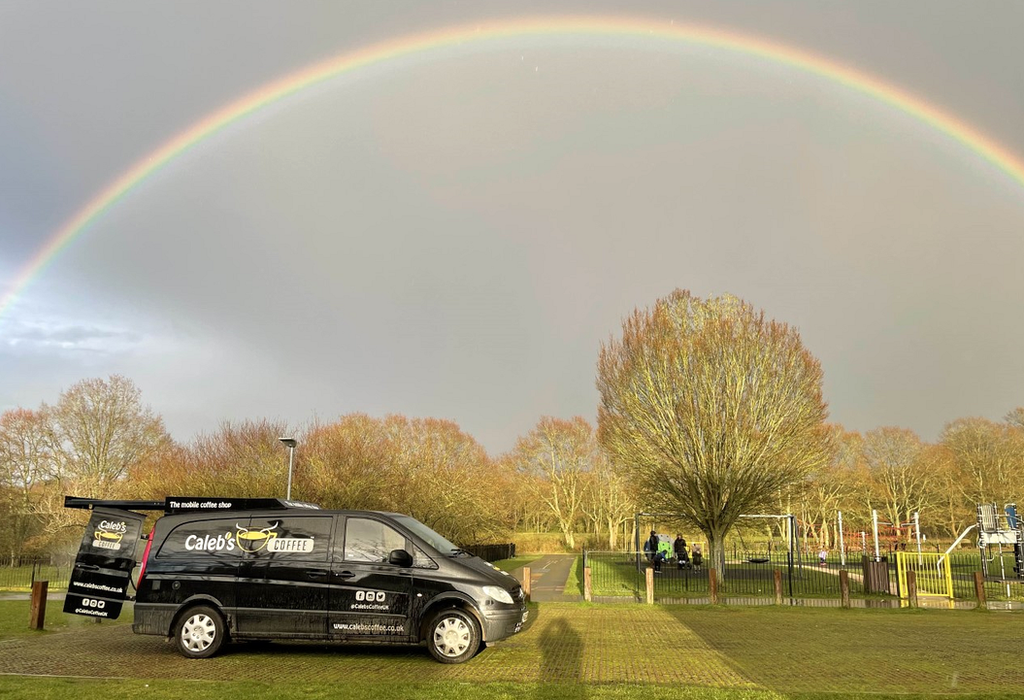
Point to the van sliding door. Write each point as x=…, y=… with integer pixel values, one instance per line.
x=283, y=582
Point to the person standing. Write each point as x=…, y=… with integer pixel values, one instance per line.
x=679, y=547
x=651, y=546
x=698, y=557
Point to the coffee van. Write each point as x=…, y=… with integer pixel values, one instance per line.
x=215, y=570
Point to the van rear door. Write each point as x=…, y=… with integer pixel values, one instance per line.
x=103, y=567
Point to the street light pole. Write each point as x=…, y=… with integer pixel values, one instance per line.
x=290, y=443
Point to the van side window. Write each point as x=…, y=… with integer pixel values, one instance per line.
x=370, y=540
x=302, y=538
x=215, y=536
x=420, y=560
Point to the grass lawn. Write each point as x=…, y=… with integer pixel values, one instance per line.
x=14, y=619
x=574, y=584
x=567, y=650
x=59, y=689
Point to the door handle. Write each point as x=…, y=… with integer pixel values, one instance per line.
x=345, y=574
x=316, y=573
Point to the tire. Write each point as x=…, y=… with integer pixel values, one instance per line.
x=199, y=632
x=453, y=636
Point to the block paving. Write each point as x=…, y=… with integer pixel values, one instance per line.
x=570, y=643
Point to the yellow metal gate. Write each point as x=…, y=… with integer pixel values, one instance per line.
x=933, y=578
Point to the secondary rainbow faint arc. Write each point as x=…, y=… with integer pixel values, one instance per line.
x=806, y=61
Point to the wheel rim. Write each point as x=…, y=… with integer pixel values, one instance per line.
x=198, y=633
x=452, y=636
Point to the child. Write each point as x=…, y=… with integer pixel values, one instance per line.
x=659, y=557
x=697, y=556
x=822, y=556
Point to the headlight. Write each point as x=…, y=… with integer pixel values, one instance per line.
x=498, y=594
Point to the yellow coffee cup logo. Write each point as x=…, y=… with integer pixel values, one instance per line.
x=255, y=540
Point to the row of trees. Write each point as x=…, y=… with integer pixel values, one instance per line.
x=893, y=471
x=708, y=410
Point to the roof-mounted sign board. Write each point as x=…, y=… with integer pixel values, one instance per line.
x=183, y=504
x=179, y=504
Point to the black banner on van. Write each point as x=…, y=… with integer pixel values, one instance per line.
x=103, y=568
x=177, y=504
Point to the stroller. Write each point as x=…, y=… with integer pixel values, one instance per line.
x=683, y=560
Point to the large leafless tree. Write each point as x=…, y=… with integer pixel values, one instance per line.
x=562, y=454
x=711, y=408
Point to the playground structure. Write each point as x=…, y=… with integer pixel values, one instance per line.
x=996, y=530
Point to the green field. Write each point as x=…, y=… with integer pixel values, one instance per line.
x=568, y=650
x=60, y=689
x=14, y=616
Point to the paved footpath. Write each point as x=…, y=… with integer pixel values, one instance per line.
x=548, y=576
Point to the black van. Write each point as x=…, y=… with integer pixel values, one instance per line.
x=264, y=569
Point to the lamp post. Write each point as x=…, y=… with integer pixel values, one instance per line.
x=290, y=443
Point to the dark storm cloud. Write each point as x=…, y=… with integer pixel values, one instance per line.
x=455, y=234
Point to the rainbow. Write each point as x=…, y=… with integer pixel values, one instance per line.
x=974, y=140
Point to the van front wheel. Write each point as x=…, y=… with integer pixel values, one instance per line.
x=453, y=636
x=199, y=632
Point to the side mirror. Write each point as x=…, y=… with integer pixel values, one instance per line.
x=400, y=557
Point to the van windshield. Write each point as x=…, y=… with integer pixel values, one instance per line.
x=435, y=540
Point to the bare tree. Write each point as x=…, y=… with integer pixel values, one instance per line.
x=98, y=429
x=900, y=478
x=95, y=433
x=711, y=408
x=561, y=453
x=23, y=459
x=608, y=501
x=988, y=456
x=1015, y=418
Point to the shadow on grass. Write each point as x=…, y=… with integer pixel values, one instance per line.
x=561, y=672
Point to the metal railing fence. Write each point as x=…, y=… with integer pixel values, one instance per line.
x=752, y=575
x=21, y=573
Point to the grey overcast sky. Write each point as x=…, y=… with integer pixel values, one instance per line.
x=454, y=233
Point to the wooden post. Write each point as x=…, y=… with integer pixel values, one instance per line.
x=37, y=613
x=526, y=582
x=778, y=586
x=979, y=588
x=844, y=588
x=650, y=585
x=912, y=588
x=587, y=596
x=713, y=583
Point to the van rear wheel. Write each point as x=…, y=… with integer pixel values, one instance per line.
x=199, y=632
x=453, y=636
